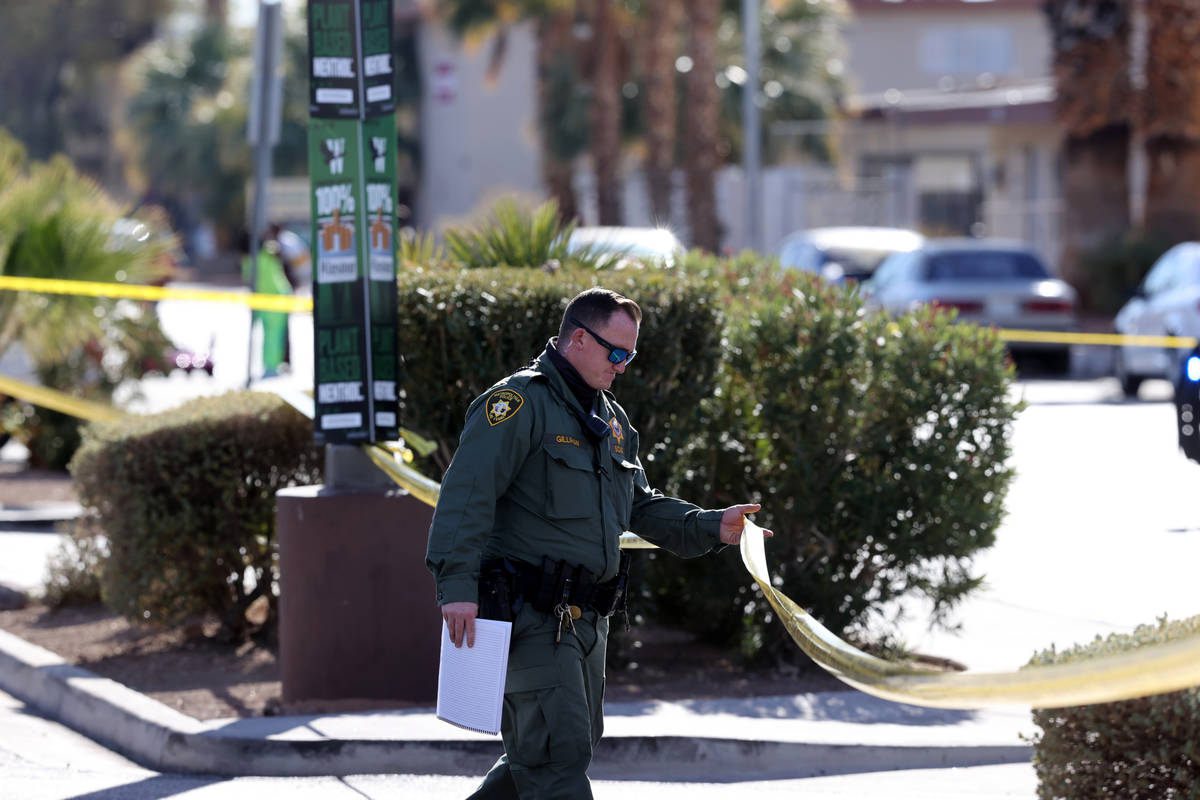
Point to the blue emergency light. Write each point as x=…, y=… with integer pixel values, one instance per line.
x=1187, y=405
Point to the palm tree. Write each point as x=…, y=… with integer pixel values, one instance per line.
x=59, y=64
x=660, y=46
x=560, y=58
x=56, y=223
x=1094, y=104
x=189, y=117
x=563, y=112
x=606, y=111
x=701, y=120
x=1169, y=121
x=185, y=119
x=799, y=80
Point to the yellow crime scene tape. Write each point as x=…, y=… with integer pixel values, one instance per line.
x=57, y=401
x=1108, y=339
x=291, y=303
x=1151, y=669
x=259, y=302
x=424, y=489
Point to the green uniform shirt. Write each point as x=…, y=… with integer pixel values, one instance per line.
x=527, y=482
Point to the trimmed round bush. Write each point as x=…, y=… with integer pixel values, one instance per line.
x=186, y=500
x=877, y=448
x=1142, y=749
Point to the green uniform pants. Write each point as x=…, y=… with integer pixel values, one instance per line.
x=275, y=338
x=271, y=279
x=553, y=710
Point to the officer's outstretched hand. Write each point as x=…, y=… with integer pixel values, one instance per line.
x=460, y=621
x=734, y=519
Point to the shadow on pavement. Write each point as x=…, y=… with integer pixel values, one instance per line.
x=157, y=787
x=849, y=706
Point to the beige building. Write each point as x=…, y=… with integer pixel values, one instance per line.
x=951, y=116
x=478, y=125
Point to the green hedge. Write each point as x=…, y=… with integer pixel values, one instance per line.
x=1143, y=749
x=460, y=332
x=877, y=449
x=186, y=501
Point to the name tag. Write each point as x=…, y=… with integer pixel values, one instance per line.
x=563, y=439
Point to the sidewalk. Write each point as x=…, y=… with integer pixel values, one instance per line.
x=762, y=738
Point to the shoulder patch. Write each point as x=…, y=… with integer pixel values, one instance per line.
x=501, y=405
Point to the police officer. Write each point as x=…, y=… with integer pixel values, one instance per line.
x=545, y=480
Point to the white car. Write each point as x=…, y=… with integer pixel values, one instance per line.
x=657, y=246
x=845, y=254
x=988, y=282
x=1167, y=303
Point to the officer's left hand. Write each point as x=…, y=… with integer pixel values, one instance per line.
x=734, y=519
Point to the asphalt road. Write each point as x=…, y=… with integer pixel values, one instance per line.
x=1102, y=532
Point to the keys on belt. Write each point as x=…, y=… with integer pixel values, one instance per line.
x=567, y=615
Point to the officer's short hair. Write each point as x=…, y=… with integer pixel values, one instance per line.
x=594, y=307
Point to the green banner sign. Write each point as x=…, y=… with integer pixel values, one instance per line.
x=352, y=172
x=350, y=58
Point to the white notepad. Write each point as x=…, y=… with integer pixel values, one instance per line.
x=471, y=679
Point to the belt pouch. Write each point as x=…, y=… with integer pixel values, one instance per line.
x=584, y=594
x=610, y=596
x=549, y=582
x=495, y=592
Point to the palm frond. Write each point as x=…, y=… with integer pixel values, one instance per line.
x=56, y=223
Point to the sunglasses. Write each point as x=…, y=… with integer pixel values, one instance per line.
x=617, y=355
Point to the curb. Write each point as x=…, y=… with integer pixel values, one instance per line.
x=164, y=740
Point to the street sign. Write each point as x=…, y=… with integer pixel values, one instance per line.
x=340, y=78
x=352, y=173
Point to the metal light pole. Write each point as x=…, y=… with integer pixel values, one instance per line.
x=266, y=113
x=751, y=124
x=1137, y=168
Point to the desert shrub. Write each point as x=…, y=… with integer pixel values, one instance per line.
x=876, y=447
x=512, y=237
x=130, y=344
x=419, y=249
x=186, y=501
x=460, y=332
x=73, y=571
x=1142, y=749
x=56, y=223
x=740, y=279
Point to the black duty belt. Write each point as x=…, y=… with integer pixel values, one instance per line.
x=506, y=584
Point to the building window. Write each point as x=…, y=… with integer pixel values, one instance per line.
x=949, y=194
x=966, y=50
